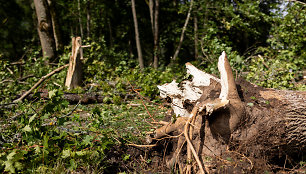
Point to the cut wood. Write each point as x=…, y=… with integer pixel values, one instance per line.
x=74, y=73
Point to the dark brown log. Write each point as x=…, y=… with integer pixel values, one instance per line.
x=275, y=122
x=73, y=98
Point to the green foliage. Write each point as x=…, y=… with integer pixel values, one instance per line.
x=113, y=73
x=273, y=73
x=42, y=142
x=42, y=137
x=282, y=61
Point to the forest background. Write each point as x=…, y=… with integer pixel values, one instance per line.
x=265, y=42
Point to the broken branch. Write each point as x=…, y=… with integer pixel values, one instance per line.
x=39, y=82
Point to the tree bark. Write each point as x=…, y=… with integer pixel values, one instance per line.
x=45, y=29
x=138, y=45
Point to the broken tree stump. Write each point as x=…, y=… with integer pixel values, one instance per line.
x=235, y=119
x=74, y=73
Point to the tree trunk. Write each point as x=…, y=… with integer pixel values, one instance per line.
x=249, y=124
x=88, y=17
x=183, y=32
x=56, y=29
x=45, y=30
x=196, y=43
x=139, y=52
x=80, y=19
x=151, y=5
x=156, y=38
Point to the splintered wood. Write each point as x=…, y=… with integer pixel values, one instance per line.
x=191, y=90
x=74, y=73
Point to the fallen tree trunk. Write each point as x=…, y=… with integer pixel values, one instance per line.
x=73, y=98
x=235, y=118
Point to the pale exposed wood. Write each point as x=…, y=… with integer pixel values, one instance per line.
x=74, y=73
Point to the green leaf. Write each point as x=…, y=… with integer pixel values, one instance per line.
x=27, y=128
x=87, y=140
x=126, y=157
x=250, y=104
x=46, y=139
x=73, y=164
x=9, y=166
x=18, y=165
x=32, y=118
x=52, y=93
x=66, y=153
x=11, y=155
x=37, y=149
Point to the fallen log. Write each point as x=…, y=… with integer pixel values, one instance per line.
x=73, y=98
x=235, y=118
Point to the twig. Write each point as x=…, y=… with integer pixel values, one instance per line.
x=142, y=101
x=137, y=145
x=303, y=3
x=39, y=82
x=244, y=157
x=193, y=113
x=189, y=157
x=75, y=107
x=25, y=77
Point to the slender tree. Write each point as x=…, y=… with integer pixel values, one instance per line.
x=80, y=19
x=137, y=36
x=155, y=33
x=55, y=25
x=154, y=13
x=183, y=32
x=45, y=29
x=196, y=43
x=88, y=17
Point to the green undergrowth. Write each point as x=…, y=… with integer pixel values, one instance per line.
x=53, y=137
